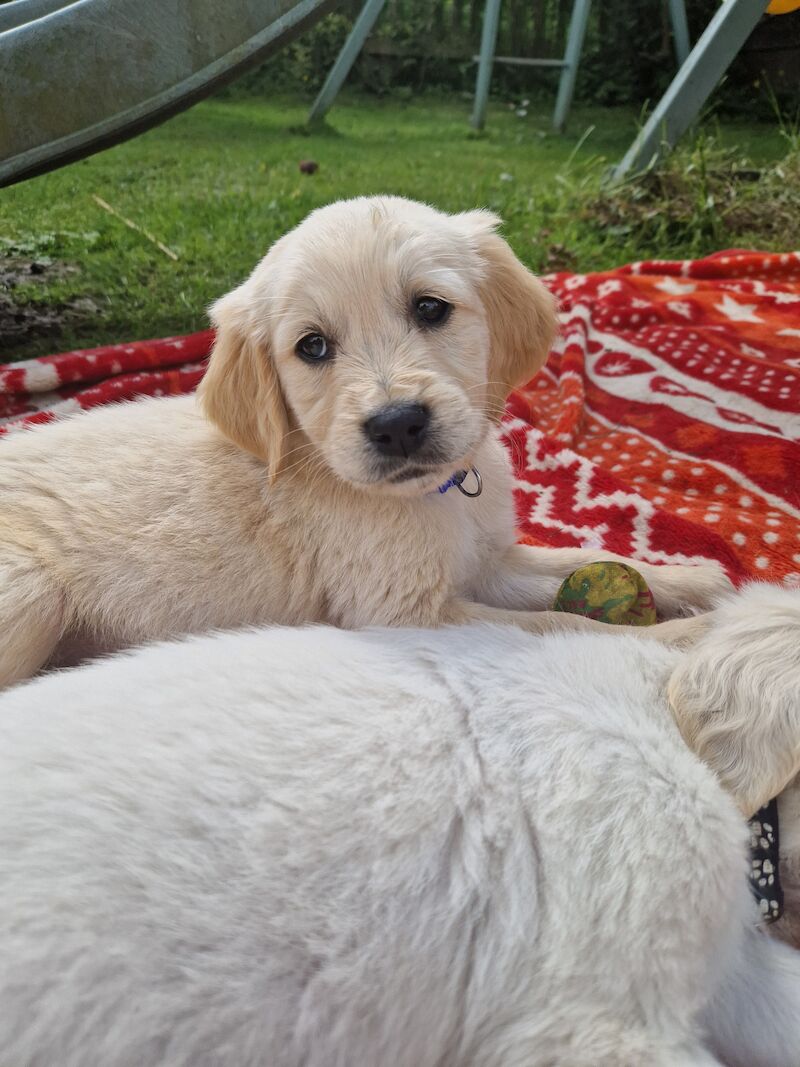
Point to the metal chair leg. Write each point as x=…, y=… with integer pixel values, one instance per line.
x=346, y=58
x=680, y=30
x=491, y=21
x=681, y=103
x=566, y=85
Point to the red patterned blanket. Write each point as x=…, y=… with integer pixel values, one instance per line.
x=665, y=426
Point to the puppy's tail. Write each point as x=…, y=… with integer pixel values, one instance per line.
x=754, y=1019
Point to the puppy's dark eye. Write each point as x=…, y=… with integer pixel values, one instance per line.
x=313, y=348
x=431, y=311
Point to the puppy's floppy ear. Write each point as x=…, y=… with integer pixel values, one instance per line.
x=736, y=694
x=521, y=312
x=241, y=393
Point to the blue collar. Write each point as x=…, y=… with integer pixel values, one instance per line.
x=457, y=481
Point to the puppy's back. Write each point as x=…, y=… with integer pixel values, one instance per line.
x=316, y=847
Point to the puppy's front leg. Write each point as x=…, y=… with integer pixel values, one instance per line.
x=527, y=579
x=677, y=633
x=32, y=617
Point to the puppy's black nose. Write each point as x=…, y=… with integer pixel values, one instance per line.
x=399, y=429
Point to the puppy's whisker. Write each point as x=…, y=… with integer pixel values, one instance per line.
x=299, y=448
x=296, y=463
x=482, y=385
x=298, y=466
x=315, y=460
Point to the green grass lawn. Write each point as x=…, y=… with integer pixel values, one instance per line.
x=221, y=182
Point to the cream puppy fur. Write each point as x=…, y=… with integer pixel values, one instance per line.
x=736, y=696
x=466, y=847
x=364, y=361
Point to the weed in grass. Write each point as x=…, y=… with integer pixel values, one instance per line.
x=702, y=197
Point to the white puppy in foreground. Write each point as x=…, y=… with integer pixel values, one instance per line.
x=468, y=847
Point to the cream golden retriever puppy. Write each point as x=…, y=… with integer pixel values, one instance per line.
x=362, y=366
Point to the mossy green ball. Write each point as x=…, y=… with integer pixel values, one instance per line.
x=608, y=592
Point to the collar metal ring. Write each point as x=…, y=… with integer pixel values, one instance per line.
x=478, y=483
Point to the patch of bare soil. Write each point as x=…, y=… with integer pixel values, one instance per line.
x=22, y=316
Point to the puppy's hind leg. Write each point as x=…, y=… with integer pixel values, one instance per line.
x=31, y=618
x=754, y=1019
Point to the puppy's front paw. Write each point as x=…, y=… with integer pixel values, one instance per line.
x=681, y=590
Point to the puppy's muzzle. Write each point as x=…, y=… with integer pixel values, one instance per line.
x=398, y=429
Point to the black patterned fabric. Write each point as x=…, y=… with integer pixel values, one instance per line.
x=764, y=862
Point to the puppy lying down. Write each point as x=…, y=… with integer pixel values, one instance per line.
x=403, y=848
x=362, y=365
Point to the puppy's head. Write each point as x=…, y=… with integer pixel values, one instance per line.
x=388, y=333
